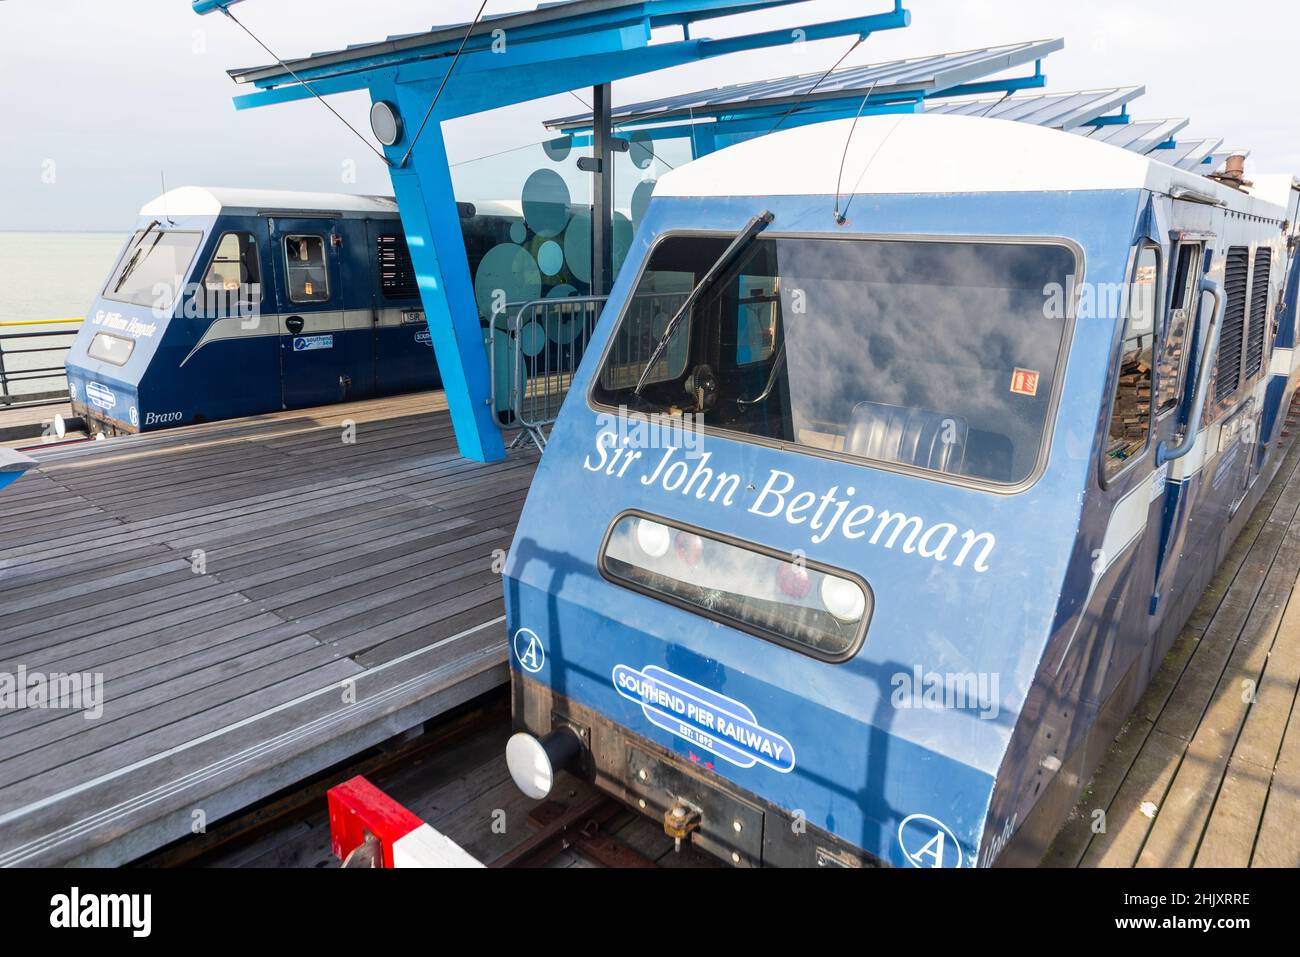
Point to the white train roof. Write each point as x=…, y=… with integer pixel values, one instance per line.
x=934, y=153
x=211, y=200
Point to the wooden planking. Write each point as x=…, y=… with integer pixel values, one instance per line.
x=1202, y=762
x=321, y=568
x=21, y=425
x=1275, y=844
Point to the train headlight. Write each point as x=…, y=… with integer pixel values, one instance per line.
x=689, y=547
x=793, y=579
x=843, y=599
x=785, y=598
x=654, y=539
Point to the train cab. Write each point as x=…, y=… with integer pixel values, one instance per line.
x=233, y=302
x=884, y=485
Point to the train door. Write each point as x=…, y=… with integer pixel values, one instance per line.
x=403, y=347
x=1177, y=350
x=1126, y=496
x=309, y=291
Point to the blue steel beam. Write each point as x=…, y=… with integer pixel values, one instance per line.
x=713, y=135
x=210, y=6
x=606, y=55
x=544, y=52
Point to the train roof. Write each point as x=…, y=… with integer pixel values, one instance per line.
x=937, y=153
x=212, y=200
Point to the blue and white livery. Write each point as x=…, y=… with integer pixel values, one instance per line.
x=233, y=302
x=948, y=440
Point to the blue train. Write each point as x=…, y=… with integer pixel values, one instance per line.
x=859, y=549
x=232, y=302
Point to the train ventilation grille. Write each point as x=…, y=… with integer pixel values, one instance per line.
x=1258, y=312
x=396, y=274
x=1227, y=375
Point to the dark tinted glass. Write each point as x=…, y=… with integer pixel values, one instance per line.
x=940, y=356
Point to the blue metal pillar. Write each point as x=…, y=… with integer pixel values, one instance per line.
x=423, y=189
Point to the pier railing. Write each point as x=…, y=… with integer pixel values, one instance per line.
x=31, y=363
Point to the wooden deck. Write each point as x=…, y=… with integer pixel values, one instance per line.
x=1206, y=771
x=263, y=599
x=25, y=425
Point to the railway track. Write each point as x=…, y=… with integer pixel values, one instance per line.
x=578, y=828
x=456, y=765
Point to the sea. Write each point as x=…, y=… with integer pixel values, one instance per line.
x=46, y=276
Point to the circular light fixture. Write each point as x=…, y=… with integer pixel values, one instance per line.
x=385, y=122
x=654, y=539
x=843, y=598
x=793, y=579
x=689, y=547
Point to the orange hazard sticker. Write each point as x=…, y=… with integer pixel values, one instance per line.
x=1024, y=382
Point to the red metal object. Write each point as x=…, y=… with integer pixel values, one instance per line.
x=356, y=808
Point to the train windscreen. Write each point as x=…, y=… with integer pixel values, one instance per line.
x=154, y=267
x=936, y=356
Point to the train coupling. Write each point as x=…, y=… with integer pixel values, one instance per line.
x=680, y=820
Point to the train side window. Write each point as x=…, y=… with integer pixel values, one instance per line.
x=234, y=274
x=658, y=296
x=305, y=268
x=758, y=307
x=1130, y=411
x=1183, y=301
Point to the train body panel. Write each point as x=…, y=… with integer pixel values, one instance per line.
x=990, y=478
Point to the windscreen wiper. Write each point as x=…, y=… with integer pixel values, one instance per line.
x=739, y=244
x=147, y=230
x=136, y=259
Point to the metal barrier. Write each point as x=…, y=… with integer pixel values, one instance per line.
x=534, y=349
x=14, y=370
x=534, y=357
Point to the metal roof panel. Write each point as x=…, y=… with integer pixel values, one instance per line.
x=926, y=75
x=1065, y=110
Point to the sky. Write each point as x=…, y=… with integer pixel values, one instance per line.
x=101, y=101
